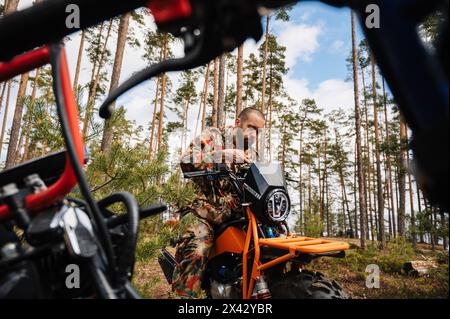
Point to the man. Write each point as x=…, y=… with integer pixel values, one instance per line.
x=215, y=202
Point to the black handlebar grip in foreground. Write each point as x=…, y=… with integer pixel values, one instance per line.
x=151, y=210
x=45, y=22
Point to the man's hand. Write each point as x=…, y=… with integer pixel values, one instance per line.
x=235, y=156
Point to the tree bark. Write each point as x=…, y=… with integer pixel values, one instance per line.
x=30, y=115
x=401, y=179
x=388, y=161
x=411, y=199
x=79, y=60
x=239, y=79
x=205, y=96
x=264, y=71
x=361, y=181
x=17, y=121
x=115, y=76
x=215, y=93
x=380, y=199
x=152, y=126
x=221, y=93
x=11, y=6
x=5, y=84
x=5, y=116
x=163, y=93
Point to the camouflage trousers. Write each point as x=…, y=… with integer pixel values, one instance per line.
x=192, y=257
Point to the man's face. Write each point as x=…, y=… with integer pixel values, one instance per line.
x=249, y=128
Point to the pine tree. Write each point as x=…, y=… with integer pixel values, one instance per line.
x=98, y=54
x=115, y=77
x=361, y=180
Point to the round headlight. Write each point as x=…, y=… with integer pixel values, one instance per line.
x=278, y=205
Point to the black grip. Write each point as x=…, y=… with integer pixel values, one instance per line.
x=152, y=210
x=45, y=22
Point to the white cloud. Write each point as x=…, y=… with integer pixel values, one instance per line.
x=300, y=40
x=330, y=94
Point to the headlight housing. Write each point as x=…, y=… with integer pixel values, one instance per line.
x=277, y=205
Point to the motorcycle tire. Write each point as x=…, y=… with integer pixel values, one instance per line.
x=305, y=285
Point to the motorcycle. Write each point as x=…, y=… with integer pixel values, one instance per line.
x=42, y=231
x=51, y=245
x=256, y=256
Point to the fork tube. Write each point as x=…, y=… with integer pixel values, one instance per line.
x=256, y=248
x=244, y=261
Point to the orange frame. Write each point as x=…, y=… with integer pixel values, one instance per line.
x=292, y=243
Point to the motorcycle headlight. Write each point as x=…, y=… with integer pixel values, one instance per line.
x=277, y=205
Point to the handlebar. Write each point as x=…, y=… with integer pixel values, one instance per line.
x=45, y=22
x=68, y=179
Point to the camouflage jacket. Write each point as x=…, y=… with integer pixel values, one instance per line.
x=215, y=201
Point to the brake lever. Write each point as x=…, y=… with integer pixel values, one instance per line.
x=214, y=28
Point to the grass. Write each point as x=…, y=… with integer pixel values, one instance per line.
x=350, y=271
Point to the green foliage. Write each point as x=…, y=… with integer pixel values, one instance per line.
x=390, y=260
x=433, y=23
x=313, y=226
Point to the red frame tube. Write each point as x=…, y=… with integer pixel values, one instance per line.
x=67, y=180
x=24, y=63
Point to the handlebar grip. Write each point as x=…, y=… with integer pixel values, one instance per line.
x=152, y=210
x=45, y=22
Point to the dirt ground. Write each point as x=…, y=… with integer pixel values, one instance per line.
x=150, y=281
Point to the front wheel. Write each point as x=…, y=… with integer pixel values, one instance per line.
x=305, y=285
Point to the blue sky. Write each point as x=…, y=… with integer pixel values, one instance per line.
x=334, y=39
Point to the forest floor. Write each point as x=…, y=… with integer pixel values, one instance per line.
x=350, y=272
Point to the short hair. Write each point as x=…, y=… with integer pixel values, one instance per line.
x=245, y=113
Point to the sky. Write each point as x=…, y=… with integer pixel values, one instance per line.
x=317, y=40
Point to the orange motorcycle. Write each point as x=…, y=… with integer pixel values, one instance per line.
x=256, y=256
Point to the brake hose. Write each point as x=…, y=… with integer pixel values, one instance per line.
x=105, y=239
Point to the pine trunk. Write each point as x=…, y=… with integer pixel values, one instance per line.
x=17, y=122
x=361, y=181
x=163, y=94
x=388, y=161
x=239, y=79
x=401, y=179
x=380, y=199
x=5, y=116
x=79, y=60
x=205, y=97
x=30, y=115
x=264, y=70
x=152, y=126
x=115, y=76
x=11, y=6
x=221, y=93
x=215, y=93
x=411, y=203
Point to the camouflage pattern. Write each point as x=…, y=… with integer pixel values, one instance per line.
x=192, y=257
x=214, y=204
